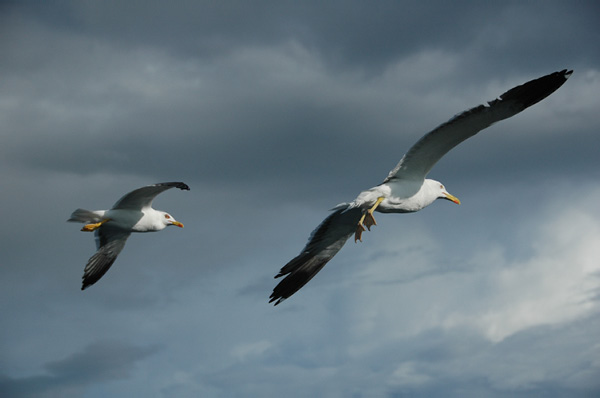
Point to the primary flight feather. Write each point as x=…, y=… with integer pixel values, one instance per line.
x=132, y=213
x=406, y=188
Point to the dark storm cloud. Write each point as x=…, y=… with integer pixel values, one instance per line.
x=116, y=111
x=345, y=33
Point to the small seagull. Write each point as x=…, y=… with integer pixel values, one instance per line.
x=406, y=189
x=132, y=213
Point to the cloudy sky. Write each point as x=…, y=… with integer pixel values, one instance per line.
x=273, y=112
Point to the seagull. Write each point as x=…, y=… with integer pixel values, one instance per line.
x=132, y=213
x=406, y=189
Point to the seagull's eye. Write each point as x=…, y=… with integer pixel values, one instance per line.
x=167, y=216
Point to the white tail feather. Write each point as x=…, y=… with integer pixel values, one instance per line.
x=86, y=216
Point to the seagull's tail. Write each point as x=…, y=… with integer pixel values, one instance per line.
x=85, y=216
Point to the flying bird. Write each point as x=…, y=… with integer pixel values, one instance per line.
x=406, y=189
x=132, y=213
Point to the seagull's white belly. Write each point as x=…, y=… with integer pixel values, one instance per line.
x=398, y=205
x=392, y=202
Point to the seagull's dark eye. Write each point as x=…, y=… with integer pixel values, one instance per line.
x=167, y=216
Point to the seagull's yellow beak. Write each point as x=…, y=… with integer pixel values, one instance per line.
x=451, y=198
x=177, y=224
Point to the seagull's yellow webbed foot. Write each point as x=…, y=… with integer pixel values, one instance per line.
x=359, y=230
x=93, y=227
x=367, y=220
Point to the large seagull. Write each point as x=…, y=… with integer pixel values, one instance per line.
x=132, y=213
x=406, y=189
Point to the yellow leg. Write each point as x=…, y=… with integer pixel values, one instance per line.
x=93, y=227
x=368, y=220
x=368, y=216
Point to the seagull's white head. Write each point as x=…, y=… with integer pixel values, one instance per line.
x=167, y=219
x=440, y=190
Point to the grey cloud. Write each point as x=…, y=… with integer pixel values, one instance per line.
x=435, y=363
x=117, y=110
x=70, y=377
x=344, y=33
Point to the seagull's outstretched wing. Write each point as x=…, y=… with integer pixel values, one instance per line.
x=110, y=242
x=423, y=155
x=326, y=240
x=143, y=197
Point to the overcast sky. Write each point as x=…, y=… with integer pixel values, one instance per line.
x=273, y=112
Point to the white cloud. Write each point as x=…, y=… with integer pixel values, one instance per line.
x=558, y=284
x=411, y=288
x=407, y=374
x=243, y=352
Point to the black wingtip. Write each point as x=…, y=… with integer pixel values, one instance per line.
x=534, y=91
x=278, y=298
x=88, y=280
x=276, y=294
x=181, y=185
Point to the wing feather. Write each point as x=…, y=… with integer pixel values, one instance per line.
x=143, y=197
x=422, y=156
x=110, y=243
x=324, y=243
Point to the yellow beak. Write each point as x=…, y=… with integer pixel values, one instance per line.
x=451, y=198
x=177, y=224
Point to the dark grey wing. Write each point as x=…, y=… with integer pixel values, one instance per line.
x=143, y=197
x=418, y=161
x=110, y=242
x=324, y=243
